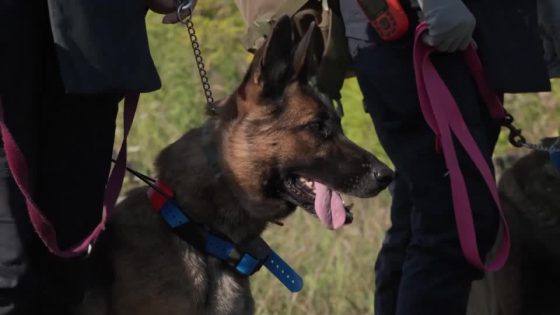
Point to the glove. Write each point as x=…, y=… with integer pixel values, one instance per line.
x=187, y=7
x=450, y=24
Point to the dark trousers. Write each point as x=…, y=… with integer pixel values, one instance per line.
x=67, y=141
x=421, y=269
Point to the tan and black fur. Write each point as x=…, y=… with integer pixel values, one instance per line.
x=229, y=174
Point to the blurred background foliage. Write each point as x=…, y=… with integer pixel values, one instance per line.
x=337, y=266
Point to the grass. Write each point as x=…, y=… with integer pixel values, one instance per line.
x=337, y=267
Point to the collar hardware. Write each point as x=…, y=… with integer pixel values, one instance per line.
x=246, y=258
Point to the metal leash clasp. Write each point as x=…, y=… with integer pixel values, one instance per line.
x=184, y=10
x=518, y=140
x=515, y=137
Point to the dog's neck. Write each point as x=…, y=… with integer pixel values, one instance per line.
x=190, y=166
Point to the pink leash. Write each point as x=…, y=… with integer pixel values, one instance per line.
x=19, y=170
x=444, y=118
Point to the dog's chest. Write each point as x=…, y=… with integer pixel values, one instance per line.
x=156, y=271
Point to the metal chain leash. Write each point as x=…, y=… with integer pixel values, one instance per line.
x=184, y=14
x=539, y=147
x=516, y=138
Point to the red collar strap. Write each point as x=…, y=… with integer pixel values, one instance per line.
x=159, y=194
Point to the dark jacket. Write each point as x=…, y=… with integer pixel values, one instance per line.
x=102, y=45
x=506, y=34
x=549, y=26
x=509, y=44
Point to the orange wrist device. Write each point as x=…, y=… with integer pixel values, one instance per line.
x=387, y=18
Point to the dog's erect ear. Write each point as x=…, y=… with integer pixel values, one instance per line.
x=276, y=64
x=308, y=54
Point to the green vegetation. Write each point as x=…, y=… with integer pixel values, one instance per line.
x=337, y=266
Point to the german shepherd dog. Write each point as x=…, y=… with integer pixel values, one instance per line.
x=528, y=283
x=273, y=145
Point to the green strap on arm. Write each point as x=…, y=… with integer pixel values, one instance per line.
x=262, y=26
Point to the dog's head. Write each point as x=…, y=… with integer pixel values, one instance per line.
x=532, y=184
x=535, y=177
x=281, y=140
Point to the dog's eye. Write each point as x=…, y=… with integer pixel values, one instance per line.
x=314, y=126
x=319, y=128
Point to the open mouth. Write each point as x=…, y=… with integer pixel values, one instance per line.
x=319, y=200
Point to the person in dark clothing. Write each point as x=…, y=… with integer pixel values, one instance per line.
x=420, y=268
x=64, y=67
x=549, y=27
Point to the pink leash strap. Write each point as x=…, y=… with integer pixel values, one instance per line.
x=444, y=118
x=19, y=170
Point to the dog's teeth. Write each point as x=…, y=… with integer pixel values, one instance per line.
x=306, y=182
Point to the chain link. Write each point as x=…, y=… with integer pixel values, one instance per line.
x=517, y=140
x=539, y=147
x=184, y=14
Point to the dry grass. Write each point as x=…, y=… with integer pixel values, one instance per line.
x=337, y=267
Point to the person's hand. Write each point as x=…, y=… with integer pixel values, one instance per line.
x=450, y=24
x=169, y=8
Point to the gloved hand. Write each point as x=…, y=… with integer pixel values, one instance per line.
x=169, y=8
x=450, y=24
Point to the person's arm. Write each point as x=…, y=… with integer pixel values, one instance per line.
x=450, y=24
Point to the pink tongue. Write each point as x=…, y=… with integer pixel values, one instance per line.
x=329, y=207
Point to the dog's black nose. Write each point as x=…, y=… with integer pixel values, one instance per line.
x=384, y=176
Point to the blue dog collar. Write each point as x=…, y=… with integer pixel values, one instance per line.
x=279, y=268
x=555, y=158
x=248, y=265
x=555, y=153
x=244, y=262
